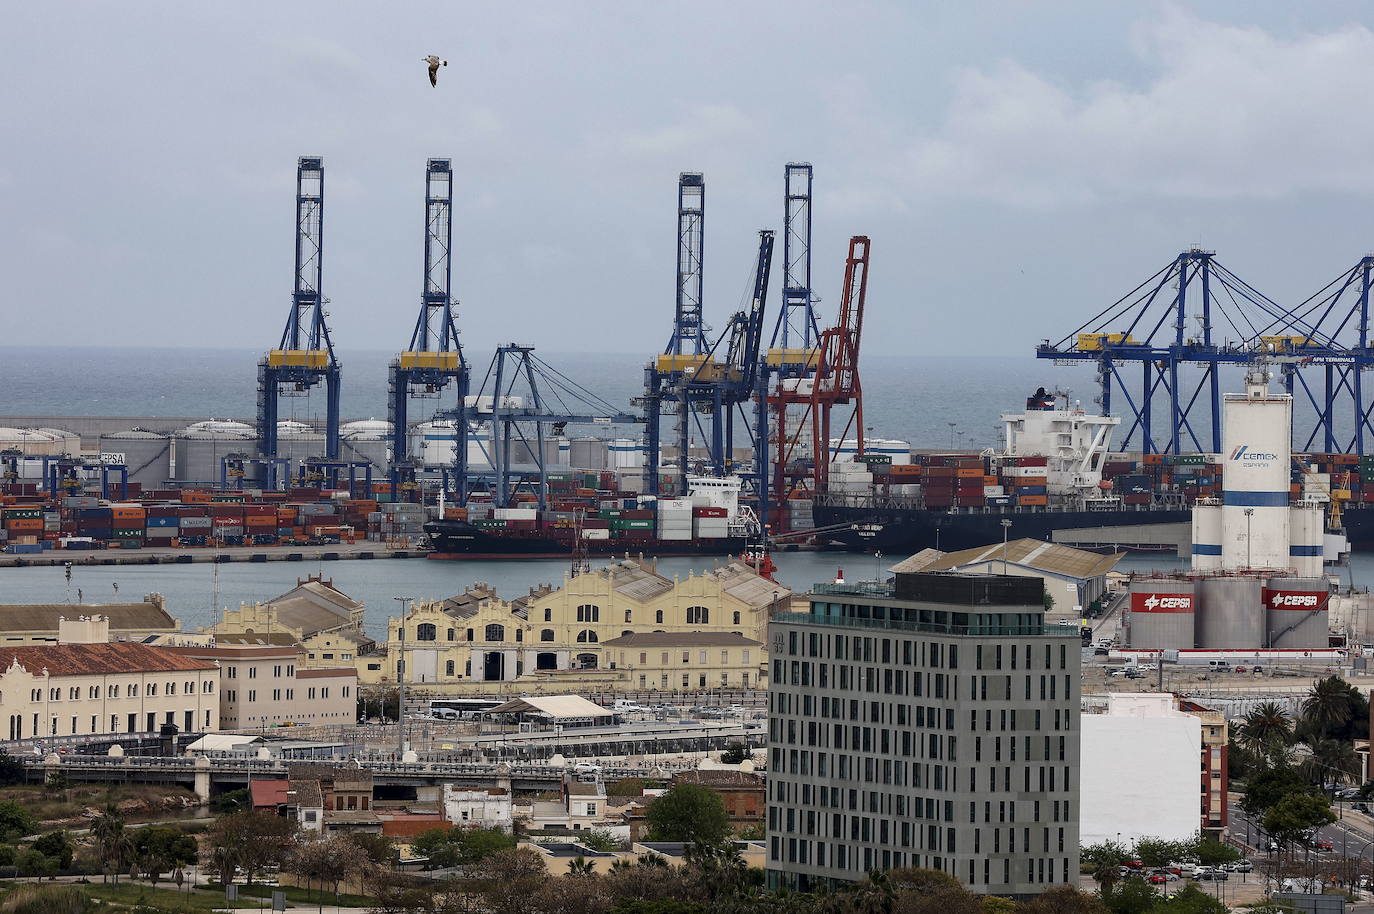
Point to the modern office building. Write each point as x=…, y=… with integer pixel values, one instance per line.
x=930, y=721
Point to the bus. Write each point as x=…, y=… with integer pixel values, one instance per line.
x=461, y=708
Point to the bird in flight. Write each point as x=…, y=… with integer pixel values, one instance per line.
x=434, y=64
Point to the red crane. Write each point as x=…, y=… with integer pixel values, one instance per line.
x=799, y=472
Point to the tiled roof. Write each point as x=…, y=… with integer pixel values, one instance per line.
x=681, y=639
x=1054, y=558
x=255, y=639
x=96, y=659
x=145, y=615
x=268, y=792
x=306, y=793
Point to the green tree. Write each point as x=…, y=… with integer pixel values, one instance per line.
x=1331, y=761
x=1111, y=852
x=600, y=839
x=159, y=849
x=438, y=846
x=1269, y=785
x=380, y=849
x=1133, y=896
x=1267, y=729
x=112, y=841
x=690, y=813
x=251, y=840
x=58, y=846
x=1064, y=899
x=581, y=866
x=16, y=821
x=1292, y=818
x=11, y=769
x=734, y=753
x=1211, y=852
x=1155, y=852
x=229, y=801
x=477, y=844
x=35, y=863
x=1190, y=900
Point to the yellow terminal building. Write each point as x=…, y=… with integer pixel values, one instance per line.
x=621, y=627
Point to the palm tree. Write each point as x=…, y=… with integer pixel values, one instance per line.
x=581, y=866
x=1328, y=704
x=116, y=848
x=1331, y=760
x=1266, y=728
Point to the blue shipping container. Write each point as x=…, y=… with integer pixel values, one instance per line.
x=1030, y=490
x=94, y=512
x=163, y=521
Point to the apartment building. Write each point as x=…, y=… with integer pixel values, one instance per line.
x=930, y=721
x=264, y=686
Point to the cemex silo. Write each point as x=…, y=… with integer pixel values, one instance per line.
x=1207, y=534
x=1295, y=611
x=1257, y=456
x=1229, y=614
x=1307, y=532
x=1161, y=614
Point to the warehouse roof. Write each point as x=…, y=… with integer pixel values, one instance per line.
x=1051, y=558
x=256, y=639
x=148, y=614
x=748, y=586
x=681, y=639
x=314, y=605
x=555, y=706
x=94, y=659
x=636, y=581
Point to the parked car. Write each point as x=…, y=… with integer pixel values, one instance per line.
x=1158, y=879
x=1242, y=866
x=1204, y=873
x=1324, y=845
x=1100, y=651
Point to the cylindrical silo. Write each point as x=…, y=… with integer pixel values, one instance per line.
x=1296, y=611
x=1161, y=614
x=1307, y=529
x=201, y=446
x=1230, y=615
x=589, y=453
x=1207, y=534
x=148, y=455
x=1258, y=454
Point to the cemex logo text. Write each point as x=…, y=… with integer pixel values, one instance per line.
x=1243, y=452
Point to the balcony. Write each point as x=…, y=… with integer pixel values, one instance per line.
x=934, y=628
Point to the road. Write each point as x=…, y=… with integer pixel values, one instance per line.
x=1351, y=835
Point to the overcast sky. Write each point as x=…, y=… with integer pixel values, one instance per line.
x=1017, y=165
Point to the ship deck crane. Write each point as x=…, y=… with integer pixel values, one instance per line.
x=305, y=356
x=520, y=395
x=801, y=467
x=1146, y=331
x=434, y=359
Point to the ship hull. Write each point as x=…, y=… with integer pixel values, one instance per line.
x=456, y=541
x=907, y=531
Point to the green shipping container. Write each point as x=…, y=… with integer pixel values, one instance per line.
x=24, y=513
x=1189, y=460
x=874, y=459
x=227, y=499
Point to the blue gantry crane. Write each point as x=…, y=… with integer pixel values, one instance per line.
x=305, y=356
x=434, y=359
x=519, y=397
x=1141, y=342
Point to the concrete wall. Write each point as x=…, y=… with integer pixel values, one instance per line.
x=1139, y=777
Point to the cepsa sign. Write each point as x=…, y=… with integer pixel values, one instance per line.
x=1309, y=600
x=1161, y=602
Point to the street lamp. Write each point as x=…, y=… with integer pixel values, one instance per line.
x=401, y=679
x=951, y=434
x=1006, y=530
x=1249, y=515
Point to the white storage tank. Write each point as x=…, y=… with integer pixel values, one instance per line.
x=1207, y=534
x=434, y=443
x=625, y=453
x=1161, y=614
x=1307, y=535
x=1230, y=614
x=34, y=442
x=1296, y=611
x=1258, y=456
x=200, y=447
x=148, y=455
x=589, y=454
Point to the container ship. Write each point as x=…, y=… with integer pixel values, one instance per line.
x=1055, y=474
x=708, y=520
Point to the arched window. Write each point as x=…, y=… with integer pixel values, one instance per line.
x=448, y=668
x=737, y=617
x=519, y=635
x=450, y=632
x=698, y=615
x=658, y=617
x=546, y=634
x=588, y=613
x=626, y=632
x=587, y=636
x=426, y=631
x=495, y=632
